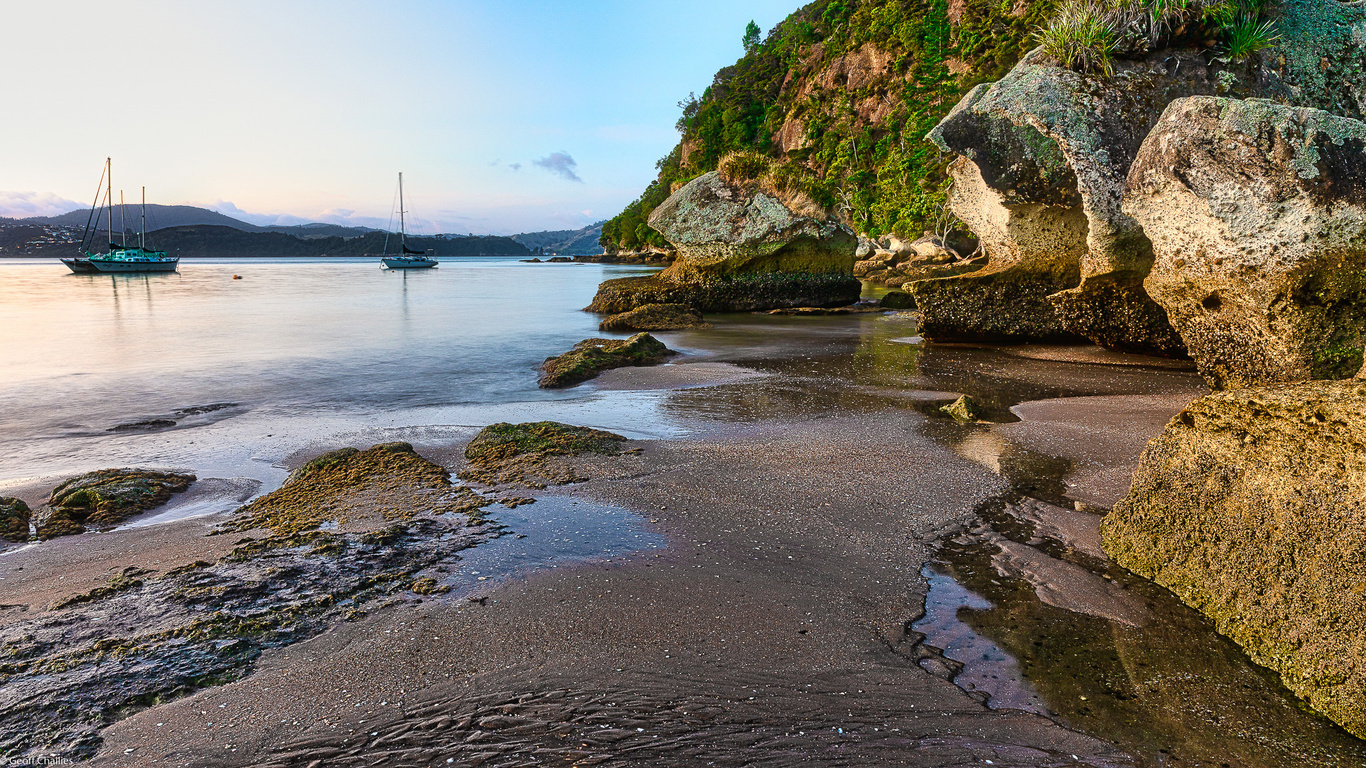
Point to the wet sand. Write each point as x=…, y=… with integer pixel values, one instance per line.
x=785, y=621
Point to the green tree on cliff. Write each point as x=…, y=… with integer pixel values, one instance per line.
x=751, y=37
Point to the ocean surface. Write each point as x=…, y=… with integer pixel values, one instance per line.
x=231, y=377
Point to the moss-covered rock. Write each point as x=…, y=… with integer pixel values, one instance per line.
x=963, y=409
x=104, y=498
x=590, y=357
x=14, y=519
x=320, y=491
x=897, y=300
x=506, y=453
x=655, y=317
x=1251, y=507
x=1257, y=213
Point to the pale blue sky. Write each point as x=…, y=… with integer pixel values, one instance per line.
x=308, y=109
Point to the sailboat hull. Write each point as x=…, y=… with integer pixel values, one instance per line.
x=119, y=266
x=80, y=266
x=408, y=262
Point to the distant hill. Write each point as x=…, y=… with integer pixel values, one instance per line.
x=309, y=231
x=158, y=217
x=215, y=241
x=565, y=242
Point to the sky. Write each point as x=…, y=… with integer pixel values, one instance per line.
x=504, y=117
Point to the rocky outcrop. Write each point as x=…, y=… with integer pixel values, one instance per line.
x=730, y=238
x=1047, y=136
x=105, y=498
x=1251, y=507
x=1257, y=213
x=655, y=317
x=14, y=519
x=1033, y=250
x=590, y=357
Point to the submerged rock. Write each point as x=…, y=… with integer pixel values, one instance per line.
x=741, y=248
x=1257, y=213
x=104, y=498
x=655, y=317
x=14, y=519
x=1251, y=507
x=897, y=300
x=590, y=357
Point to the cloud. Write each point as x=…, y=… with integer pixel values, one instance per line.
x=21, y=205
x=560, y=164
x=518, y=166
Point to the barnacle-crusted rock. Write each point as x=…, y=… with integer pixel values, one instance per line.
x=1251, y=507
x=104, y=498
x=522, y=454
x=741, y=248
x=1257, y=213
x=655, y=317
x=590, y=357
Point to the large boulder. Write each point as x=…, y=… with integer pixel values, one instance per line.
x=741, y=248
x=1251, y=507
x=105, y=498
x=1257, y=213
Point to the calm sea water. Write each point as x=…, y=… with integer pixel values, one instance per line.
x=236, y=375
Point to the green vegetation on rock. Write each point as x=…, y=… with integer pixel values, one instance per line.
x=519, y=453
x=105, y=498
x=14, y=519
x=655, y=317
x=839, y=97
x=590, y=357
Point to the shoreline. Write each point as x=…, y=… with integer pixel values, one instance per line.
x=801, y=507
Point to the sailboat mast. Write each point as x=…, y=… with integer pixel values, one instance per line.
x=142, y=239
x=402, y=228
x=123, y=219
x=109, y=197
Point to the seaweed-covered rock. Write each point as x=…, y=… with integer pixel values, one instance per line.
x=735, y=293
x=897, y=300
x=1257, y=213
x=14, y=519
x=1251, y=507
x=740, y=249
x=590, y=357
x=963, y=409
x=104, y=498
x=655, y=317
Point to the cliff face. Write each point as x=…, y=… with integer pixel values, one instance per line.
x=841, y=95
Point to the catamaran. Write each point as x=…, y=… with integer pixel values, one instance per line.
x=121, y=257
x=406, y=258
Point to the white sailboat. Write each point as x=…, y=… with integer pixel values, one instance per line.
x=407, y=258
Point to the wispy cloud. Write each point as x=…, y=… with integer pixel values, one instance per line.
x=21, y=205
x=560, y=164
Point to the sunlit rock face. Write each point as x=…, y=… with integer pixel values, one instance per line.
x=1251, y=507
x=1257, y=214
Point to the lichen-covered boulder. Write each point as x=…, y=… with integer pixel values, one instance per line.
x=721, y=228
x=590, y=357
x=104, y=498
x=741, y=248
x=14, y=519
x=1251, y=507
x=655, y=317
x=1257, y=213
